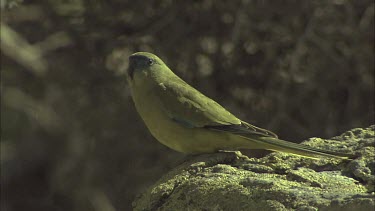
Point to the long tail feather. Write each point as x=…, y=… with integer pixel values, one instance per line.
x=275, y=144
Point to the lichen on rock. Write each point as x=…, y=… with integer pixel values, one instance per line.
x=278, y=181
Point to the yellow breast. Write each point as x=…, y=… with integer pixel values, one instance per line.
x=151, y=110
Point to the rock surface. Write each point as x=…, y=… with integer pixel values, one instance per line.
x=279, y=181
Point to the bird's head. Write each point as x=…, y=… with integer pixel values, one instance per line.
x=143, y=62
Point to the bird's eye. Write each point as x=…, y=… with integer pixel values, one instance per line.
x=150, y=62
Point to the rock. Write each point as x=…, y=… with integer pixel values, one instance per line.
x=278, y=181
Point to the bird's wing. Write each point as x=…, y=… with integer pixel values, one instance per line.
x=187, y=106
x=244, y=129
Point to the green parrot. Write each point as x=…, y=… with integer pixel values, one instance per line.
x=184, y=119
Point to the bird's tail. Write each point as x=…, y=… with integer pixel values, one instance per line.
x=275, y=144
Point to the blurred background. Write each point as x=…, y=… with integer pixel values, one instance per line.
x=70, y=136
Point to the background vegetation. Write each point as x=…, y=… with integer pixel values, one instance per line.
x=71, y=138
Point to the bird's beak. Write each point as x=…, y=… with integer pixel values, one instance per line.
x=131, y=67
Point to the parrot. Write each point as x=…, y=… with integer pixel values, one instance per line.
x=187, y=121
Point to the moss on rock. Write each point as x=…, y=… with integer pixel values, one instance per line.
x=279, y=181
